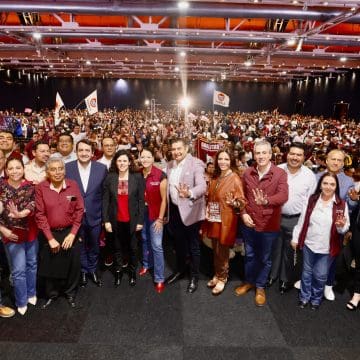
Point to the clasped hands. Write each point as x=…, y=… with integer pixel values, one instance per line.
x=67, y=243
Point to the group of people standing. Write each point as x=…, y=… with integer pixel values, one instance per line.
x=53, y=227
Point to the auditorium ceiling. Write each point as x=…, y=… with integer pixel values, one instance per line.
x=197, y=40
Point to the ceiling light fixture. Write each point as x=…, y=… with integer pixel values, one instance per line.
x=36, y=35
x=183, y=5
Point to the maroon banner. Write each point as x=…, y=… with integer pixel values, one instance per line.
x=208, y=148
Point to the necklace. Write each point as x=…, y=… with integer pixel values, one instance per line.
x=226, y=174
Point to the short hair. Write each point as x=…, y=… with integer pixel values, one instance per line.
x=107, y=137
x=7, y=132
x=53, y=159
x=184, y=141
x=336, y=150
x=150, y=150
x=263, y=143
x=86, y=142
x=68, y=135
x=298, y=145
x=38, y=143
x=17, y=158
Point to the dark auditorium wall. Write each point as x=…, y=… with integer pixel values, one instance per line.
x=20, y=91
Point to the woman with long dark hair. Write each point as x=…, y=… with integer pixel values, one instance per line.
x=318, y=232
x=224, y=194
x=123, y=212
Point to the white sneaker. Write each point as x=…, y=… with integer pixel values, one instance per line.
x=32, y=300
x=22, y=310
x=297, y=285
x=329, y=293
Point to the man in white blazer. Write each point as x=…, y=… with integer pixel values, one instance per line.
x=186, y=210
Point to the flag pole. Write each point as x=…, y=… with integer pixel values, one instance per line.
x=79, y=104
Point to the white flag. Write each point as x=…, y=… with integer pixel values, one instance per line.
x=91, y=103
x=58, y=105
x=221, y=99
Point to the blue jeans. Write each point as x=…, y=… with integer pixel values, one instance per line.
x=258, y=249
x=23, y=270
x=314, y=275
x=153, y=254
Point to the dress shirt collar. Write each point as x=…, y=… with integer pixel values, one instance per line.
x=52, y=187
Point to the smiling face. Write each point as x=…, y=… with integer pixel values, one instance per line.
x=6, y=142
x=65, y=145
x=15, y=170
x=224, y=162
x=262, y=155
x=122, y=163
x=84, y=153
x=56, y=172
x=179, y=151
x=41, y=154
x=328, y=187
x=335, y=161
x=295, y=158
x=146, y=159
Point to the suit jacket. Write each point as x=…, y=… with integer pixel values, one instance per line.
x=93, y=194
x=136, y=199
x=191, y=210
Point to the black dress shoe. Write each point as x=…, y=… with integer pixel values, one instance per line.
x=95, y=279
x=71, y=301
x=83, y=279
x=302, y=304
x=132, y=278
x=174, y=277
x=48, y=303
x=284, y=287
x=193, y=285
x=270, y=282
x=118, y=277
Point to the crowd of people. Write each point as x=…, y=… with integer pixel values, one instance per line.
x=87, y=189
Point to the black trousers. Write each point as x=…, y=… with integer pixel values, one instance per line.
x=283, y=266
x=125, y=247
x=187, y=242
x=355, y=246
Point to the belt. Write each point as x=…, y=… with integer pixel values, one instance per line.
x=61, y=229
x=290, y=216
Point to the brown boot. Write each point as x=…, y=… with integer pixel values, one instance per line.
x=243, y=289
x=260, y=297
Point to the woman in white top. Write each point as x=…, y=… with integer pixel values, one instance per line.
x=318, y=232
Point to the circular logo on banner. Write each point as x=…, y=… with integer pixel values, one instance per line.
x=93, y=102
x=221, y=97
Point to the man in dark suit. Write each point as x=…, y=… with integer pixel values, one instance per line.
x=90, y=176
x=186, y=199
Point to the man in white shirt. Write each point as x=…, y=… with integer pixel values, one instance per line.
x=77, y=135
x=65, y=148
x=109, y=148
x=35, y=170
x=302, y=183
